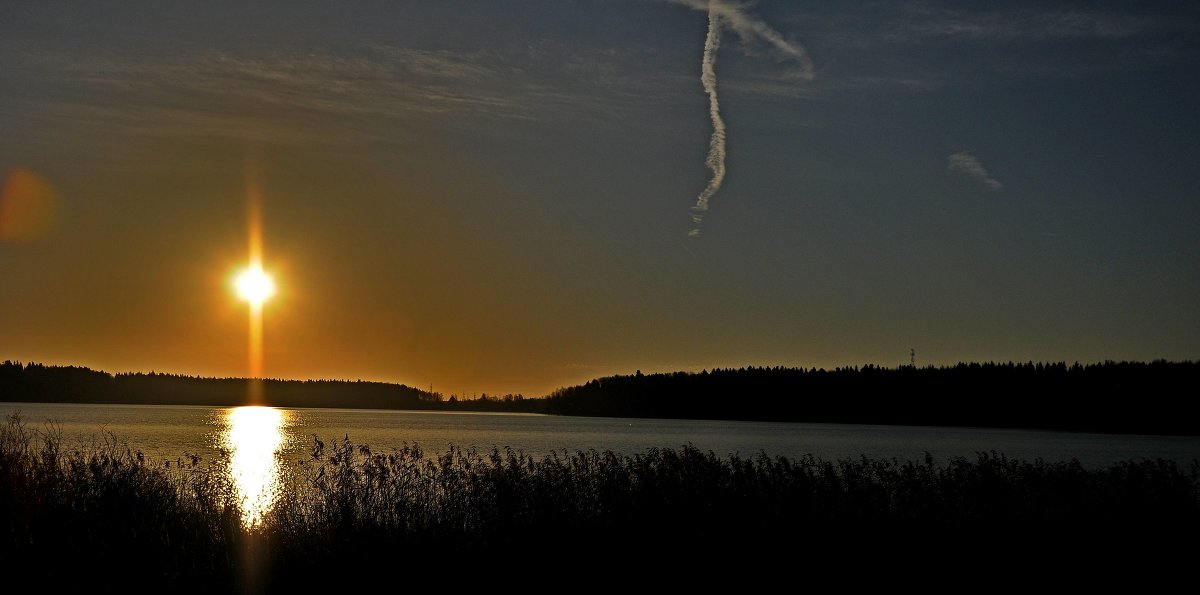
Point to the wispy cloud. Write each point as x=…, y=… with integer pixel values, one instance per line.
x=924, y=22
x=731, y=14
x=968, y=165
x=716, y=144
x=751, y=29
x=944, y=42
x=288, y=93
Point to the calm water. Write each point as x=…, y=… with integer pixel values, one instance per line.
x=170, y=431
x=260, y=441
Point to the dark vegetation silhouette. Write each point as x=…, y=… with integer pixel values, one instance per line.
x=91, y=517
x=38, y=383
x=1130, y=397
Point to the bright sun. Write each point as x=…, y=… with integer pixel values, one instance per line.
x=254, y=286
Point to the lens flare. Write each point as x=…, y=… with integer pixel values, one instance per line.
x=27, y=206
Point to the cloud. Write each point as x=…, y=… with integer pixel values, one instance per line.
x=749, y=28
x=323, y=95
x=968, y=165
x=716, y=144
x=943, y=42
x=731, y=15
x=1003, y=24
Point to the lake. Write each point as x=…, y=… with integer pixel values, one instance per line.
x=262, y=443
x=169, y=431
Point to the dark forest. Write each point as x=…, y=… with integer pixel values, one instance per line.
x=1124, y=397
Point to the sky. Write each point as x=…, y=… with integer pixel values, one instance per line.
x=501, y=196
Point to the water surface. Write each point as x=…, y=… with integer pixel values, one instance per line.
x=170, y=431
x=260, y=444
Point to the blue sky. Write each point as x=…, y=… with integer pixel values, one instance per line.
x=496, y=196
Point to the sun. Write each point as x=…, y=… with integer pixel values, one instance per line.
x=254, y=286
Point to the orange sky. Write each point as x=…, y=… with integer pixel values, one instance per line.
x=496, y=197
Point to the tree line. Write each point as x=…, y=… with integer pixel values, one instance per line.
x=1130, y=397
x=34, y=382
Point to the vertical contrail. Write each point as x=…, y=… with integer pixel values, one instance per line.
x=716, y=144
x=732, y=15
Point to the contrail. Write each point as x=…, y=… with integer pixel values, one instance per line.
x=720, y=15
x=716, y=144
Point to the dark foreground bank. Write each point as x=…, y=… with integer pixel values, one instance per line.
x=101, y=518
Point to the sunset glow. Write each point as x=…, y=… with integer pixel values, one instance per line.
x=578, y=190
x=254, y=286
x=306, y=297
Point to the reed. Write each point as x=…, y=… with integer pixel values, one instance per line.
x=101, y=509
x=75, y=513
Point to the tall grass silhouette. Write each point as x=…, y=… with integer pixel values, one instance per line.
x=103, y=510
x=84, y=512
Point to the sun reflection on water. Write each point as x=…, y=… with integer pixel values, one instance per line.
x=254, y=437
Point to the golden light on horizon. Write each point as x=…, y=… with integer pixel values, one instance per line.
x=254, y=286
x=254, y=436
